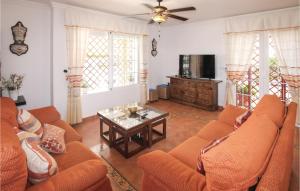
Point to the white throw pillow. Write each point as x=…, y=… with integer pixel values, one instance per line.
x=40, y=164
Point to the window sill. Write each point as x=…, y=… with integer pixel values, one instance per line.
x=92, y=92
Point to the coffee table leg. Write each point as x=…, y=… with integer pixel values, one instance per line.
x=101, y=127
x=150, y=135
x=111, y=136
x=126, y=139
x=164, y=128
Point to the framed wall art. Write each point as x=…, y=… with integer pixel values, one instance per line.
x=19, y=33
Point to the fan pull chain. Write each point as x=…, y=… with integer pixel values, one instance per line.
x=159, y=31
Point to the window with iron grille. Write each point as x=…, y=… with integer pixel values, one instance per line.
x=112, y=61
x=248, y=90
x=277, y=84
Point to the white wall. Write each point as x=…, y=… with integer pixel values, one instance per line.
x=35, y=64
x=205, y=37
x=47, y=51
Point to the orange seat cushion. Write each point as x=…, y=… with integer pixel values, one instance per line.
x=70, y=134
x=214, y=130
x=75, y=153
x=188, y=151
x=273, y=107
x=230, y=113
x=236, y=163
x=13, y=160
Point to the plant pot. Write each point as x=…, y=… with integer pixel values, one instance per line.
x=13, y=94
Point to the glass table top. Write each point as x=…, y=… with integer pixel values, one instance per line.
x=122, y=116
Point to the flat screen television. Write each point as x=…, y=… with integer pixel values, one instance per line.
x=197, y=66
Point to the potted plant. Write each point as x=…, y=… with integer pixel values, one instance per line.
x=12, y=84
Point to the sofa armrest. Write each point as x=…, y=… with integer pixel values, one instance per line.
x=76, y=178
x=46, y=114
x=170, y=172
x=230, y=113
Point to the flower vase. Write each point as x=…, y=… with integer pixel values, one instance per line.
x=13, y=94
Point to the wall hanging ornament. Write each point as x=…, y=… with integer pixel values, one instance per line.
x=154, y=47
x=19, y=34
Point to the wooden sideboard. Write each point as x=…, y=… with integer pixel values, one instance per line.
x=201, y=93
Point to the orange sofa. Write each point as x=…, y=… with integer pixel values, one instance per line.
x=79, y=168
x=176, y=170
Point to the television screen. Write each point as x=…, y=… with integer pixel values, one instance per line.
x=197, y=66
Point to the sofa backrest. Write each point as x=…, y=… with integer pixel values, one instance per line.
x=278, y=171
x=8, y=111
x=13, y=160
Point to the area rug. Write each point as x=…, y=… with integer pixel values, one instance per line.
x=118, y=182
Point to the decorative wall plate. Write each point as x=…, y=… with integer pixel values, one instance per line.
x=154, y=47
x=19, y=34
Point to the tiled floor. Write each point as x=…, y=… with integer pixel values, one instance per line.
x=183, y=122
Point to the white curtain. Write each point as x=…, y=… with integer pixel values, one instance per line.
x=143, y=74
x=240, y=48
x=76, y=51
x=287, y=45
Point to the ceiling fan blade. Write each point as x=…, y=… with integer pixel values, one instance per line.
x=148, y=6
x=182, y=9
x=151, y=22
x=141, y=14
x=177, y=17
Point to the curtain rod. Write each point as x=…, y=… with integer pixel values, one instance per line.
x=264, y=30
x=99, y=29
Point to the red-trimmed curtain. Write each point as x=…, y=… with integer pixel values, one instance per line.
x=287, y=45
x=77, y=39
x=240, y=47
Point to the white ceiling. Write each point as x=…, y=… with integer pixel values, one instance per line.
x=206, y=9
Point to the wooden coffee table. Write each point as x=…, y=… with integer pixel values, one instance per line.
x=131, y=133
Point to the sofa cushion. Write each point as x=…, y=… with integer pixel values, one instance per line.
x=46, y=114
x=238, y=162
x=9, y=111
x=40, y=164
x=13, y=173
x=273, y=107
x=230, y=113
x=188, y=151
x=215, y=130
x=70, y=134
x=211, y=145
x=29, y=123
x=76, y=153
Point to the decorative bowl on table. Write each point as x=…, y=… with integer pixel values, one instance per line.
x=132, y=110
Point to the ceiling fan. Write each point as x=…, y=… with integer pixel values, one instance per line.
x=161, y=13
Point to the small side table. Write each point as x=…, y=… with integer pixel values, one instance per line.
x=20, y=101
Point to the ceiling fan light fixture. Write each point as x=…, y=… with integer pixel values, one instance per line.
x=158, y=18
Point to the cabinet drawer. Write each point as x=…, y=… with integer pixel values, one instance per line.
x=204, y=85
x=188, y=99
x=205, y=100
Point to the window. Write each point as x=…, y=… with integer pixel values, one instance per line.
x=259, y=79
x=247, y=94
x=112, y=61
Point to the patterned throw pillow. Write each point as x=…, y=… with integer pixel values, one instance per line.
x=212, y=144
x=40, y=164
x=53, y=139
x=241, y=119
x=29, y=123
